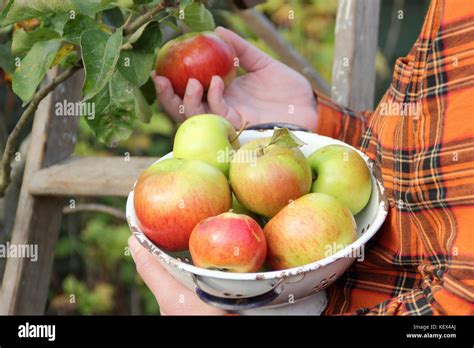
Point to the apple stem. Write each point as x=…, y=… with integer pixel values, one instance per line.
x=244, y=127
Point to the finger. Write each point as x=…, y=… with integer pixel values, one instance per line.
x=170, y=101
x=215, y=97
x=192, y=100
x=148, y=267
x=173, y=297
x=218, y=105
x=250, y=57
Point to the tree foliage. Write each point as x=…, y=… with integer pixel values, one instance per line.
x=94, y=35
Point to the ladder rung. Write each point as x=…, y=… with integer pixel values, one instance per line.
x=89, y=176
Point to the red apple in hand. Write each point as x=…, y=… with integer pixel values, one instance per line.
x=196, y=55
x=311, y=228
x=228, y=241
x=173, y=195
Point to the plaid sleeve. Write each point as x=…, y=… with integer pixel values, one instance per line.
x=338, y=122
x=421, y=262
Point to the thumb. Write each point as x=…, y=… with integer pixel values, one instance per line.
x=173, y=297
x=250, y=57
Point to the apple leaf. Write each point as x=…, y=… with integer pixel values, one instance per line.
x=117, y=106
x=142, y=108
x=5, y=10
x=136, y=35
x=171, y=23
x=149, y=39
x=184, y=3
x=148, y=91
x=19, y=10
x=136, y=66
x=23, y=40
x=113, y=17
x=33, y=68
x=6, y=59
x=66, y=52
x=70, y=59
x=142, y=2
x=90, y=7
x=56, y=22
x=74, y=28
x=198, y=18
x=283, y=137
x=100, y=53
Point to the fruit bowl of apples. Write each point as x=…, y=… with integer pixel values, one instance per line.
x=258, y=218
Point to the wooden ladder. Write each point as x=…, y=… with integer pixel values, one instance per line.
x=51, y=175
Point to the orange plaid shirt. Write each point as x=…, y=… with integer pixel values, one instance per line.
x=421, y=262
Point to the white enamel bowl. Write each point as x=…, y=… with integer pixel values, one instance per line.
x=244, y=291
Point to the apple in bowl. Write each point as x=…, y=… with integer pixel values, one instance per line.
x=173, y=195
x=230, y=242
x=342, y=173
x=209, y=138
x=266, y=176
x=309, y=229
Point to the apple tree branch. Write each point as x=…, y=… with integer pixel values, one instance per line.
x=12, y=140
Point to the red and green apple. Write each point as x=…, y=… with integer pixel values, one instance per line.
x=229, y=241
x=309, y=229
x=196, y=55
x=172, y=196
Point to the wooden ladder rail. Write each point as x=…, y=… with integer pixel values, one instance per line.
x=51, y=175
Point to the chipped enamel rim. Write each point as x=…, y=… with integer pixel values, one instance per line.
x=347, y=252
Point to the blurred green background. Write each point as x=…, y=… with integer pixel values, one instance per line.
x=93, y=271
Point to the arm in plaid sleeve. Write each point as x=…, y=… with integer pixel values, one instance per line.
x=339, y=122
x=421, y=261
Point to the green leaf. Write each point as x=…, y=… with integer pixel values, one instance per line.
x=136, y=66
x=184, y=3
x=141, y=2
x=69, y=60
x=113, y=17
x=171, y=22
x=198, y=18
x=136, y=35
x=66, y=52
x=27, y=9
x=74, y=28
x=115, y=110
x=6, y=59
x=142, y=109
x=57, y=22
x=148, y=91
x=147, y=37
x=100, y=53
x=33, y=68
x=283, y=137
x=90, y=7
x=24, y=40
x=5, y=12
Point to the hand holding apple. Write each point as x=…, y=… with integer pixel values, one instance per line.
x=260, y=95
x=173, y=195
x=229, y=241
x=196, y=55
